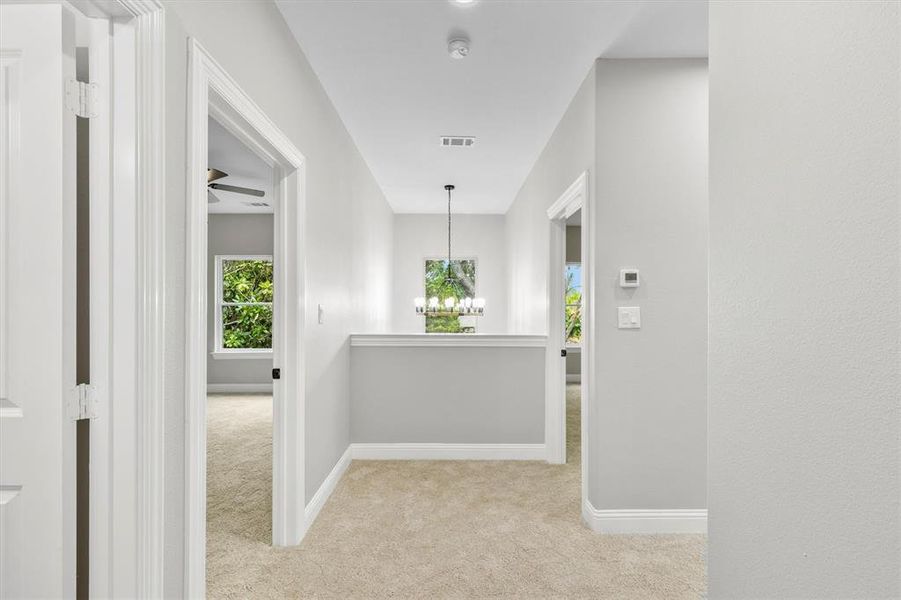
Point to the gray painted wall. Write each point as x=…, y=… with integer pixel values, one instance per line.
x=573, y=243
x=406, y=395
x=649, y=427
x=235, y=234
x=648, y=420
x=568, y=153
x=348, y=231
x=805, y=303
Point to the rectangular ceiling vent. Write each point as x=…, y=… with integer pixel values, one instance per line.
x=256, y=204
x=457, y=141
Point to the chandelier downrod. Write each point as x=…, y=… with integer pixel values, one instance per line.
x=449, y=189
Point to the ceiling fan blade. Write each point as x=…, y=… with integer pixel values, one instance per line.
x=211, y=197
x=214, y=174
x=238, y=190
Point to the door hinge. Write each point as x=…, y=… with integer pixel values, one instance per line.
x=82, y=402
x=81, y=98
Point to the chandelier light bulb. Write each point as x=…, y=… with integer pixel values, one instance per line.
x=449, y=302
x=433, y=302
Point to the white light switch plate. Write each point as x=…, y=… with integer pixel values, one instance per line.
x=321, y=314
x=629, y=317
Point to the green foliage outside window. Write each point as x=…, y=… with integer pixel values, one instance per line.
x=247, y=303
x=460, y=284
x=573, y=319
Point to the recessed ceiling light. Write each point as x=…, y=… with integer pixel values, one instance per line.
x=458, y=48
x=462, y=1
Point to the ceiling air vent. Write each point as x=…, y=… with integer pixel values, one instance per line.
x=457, y=141
x=256, y=204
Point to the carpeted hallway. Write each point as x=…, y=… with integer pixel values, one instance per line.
x=426, y=529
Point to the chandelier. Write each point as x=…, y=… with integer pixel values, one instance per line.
x=450, y=306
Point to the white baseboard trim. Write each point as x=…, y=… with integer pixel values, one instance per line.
x=311, y=511
x=645, y=521
x=573, y=378
x=239, y=388
x=448, y=451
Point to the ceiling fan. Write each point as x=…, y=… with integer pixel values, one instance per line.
x=214, y=174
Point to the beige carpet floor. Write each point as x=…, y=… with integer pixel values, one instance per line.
x=426, y=529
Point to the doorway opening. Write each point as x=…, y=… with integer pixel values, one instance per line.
x=232, y=323
x=241, y=292
x=572, y=323
x=569, y=353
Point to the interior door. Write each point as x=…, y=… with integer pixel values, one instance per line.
x=37, y=302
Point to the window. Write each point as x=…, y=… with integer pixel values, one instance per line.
x=244, y=304
x=459, y=282
x=573, y=302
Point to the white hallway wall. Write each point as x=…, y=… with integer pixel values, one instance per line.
x=649, y=417
x=417, y=237
x=569, y=152
x=271, y=68
x=648, y=420
x=805, y=300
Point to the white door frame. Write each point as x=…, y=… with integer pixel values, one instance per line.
x=127, y=298
x=212, y=92
x=575, y=197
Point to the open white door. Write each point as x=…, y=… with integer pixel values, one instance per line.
x=37, y=302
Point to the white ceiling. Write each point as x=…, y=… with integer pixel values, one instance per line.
x=385, y=66
x=226, y=153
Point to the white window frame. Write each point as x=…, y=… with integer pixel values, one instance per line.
x=475, y=261
x=581, y=305
x=220, y=351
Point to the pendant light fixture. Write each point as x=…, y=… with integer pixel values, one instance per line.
x=450, y=306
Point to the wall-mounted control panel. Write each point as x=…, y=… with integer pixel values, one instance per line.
x=628, y=278
x=628, y=317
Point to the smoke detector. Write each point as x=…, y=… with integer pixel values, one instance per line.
x=457, y=141
x=458, y=48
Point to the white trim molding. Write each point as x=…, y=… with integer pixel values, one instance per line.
x=213, y=93
x=150, y=219
x=573, y=378
x=570, y=200
x=239, y=388
x=241, y=354
x=448, y=340
x=314, y=506
x=645, y=521
x=576, y=197
x=430, y=451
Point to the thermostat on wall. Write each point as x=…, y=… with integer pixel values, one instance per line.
x=628, y=278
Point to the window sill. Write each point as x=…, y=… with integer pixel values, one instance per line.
x=240, y=354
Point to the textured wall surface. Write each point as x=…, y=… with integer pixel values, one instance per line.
x=805, y=312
